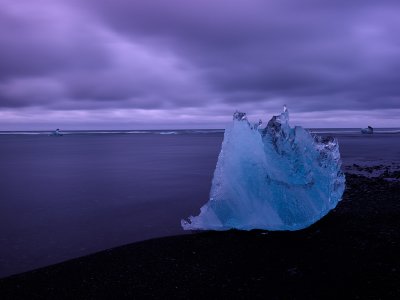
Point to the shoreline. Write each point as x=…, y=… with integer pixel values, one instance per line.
x=352, y=252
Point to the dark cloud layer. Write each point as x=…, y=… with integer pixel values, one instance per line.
x=176, y=57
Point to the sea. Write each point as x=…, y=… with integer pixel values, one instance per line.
x=63, y=197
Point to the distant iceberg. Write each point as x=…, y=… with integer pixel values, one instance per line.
x=368, y=130
x=277, y=178
x=56, y=132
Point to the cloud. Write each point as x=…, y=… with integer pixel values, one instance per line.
x=44, y=38
x=257, y=50
x=24, y=91
x=178, y=56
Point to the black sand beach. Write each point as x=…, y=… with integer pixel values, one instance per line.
x=352, y=253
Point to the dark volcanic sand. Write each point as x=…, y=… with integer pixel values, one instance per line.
x=353, y=252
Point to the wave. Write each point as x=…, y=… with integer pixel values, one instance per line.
x=388, y=131
x=24, y=133
x=323, y=131
x=335, y=131
x=209, y=131
x=351, y=131
x=168, y=132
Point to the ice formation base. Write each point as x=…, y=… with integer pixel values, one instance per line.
x=277, y=178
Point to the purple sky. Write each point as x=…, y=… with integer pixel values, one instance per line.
x=119, y=64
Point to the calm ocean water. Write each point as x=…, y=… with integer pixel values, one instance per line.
x=64, y=197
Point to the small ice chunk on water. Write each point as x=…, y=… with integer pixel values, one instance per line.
x=277, y=178
x=57, y=132
x=368, y=130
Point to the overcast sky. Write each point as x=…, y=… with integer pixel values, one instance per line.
x=119, y=64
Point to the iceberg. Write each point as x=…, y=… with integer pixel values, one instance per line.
x=57, y=132
x=276, y=178
x=368, y=130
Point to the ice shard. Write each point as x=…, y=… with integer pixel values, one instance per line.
x=276, y=178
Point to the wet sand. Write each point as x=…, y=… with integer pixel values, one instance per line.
x=353, y=252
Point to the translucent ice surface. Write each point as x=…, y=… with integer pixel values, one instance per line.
x=277, y=178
